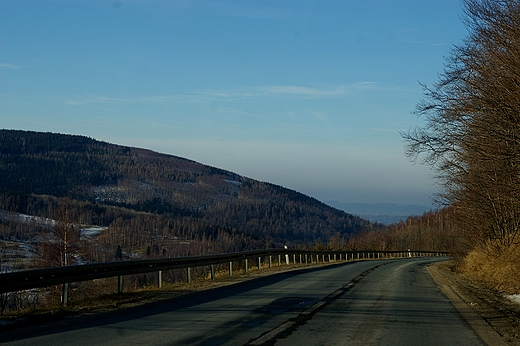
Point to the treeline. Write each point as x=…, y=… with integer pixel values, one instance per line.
x=471, y=138
x=434, y=230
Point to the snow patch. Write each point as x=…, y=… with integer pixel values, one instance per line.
x=232, y=182
x=92, y=231
x=514, y=297
x=8, y=216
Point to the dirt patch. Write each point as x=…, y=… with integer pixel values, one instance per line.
x=495, y=317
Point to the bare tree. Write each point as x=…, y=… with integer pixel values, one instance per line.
x=472, y=131
x=61, y=245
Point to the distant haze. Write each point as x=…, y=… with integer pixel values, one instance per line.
x=386, y=213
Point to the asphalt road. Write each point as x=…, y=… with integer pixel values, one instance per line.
x=383, y=302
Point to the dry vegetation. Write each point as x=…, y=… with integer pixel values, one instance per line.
x=472, y=140
x=499, y=271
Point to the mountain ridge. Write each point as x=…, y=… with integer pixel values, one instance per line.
x=130, y=190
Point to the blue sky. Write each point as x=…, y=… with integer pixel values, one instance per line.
x=305, y=94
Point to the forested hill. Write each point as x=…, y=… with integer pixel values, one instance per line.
x=143, y=196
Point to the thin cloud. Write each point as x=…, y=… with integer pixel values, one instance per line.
x=96, y=99
x=233, y=95
x=11, y=66
x=302, y=91
x=265, y=91
x=341, y=90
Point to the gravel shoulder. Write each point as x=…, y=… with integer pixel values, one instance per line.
x=494, y=317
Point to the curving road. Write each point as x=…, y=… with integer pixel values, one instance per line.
x=380, y=302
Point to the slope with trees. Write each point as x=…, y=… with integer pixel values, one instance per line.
x=151, y=204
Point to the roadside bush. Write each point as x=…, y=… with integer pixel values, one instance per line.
x=497, y=269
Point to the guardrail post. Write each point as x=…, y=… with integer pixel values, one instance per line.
x=294, y=258
x=188, y=274
x=270, y=261
x=259, y=263
x=230, y=268
x=306, y=259
x=65, y=295
x=159, y=278
x=247, y=265
x=300, y=258
x=212, y=271
x=279, y=260
x=120, y=284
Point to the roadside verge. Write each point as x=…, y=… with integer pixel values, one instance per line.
x=494, y=318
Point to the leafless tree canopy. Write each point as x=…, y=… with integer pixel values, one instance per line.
x=472, y=131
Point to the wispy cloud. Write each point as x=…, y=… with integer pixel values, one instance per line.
x=319, y=91
x=234, y=95
x=95, y=99
x=11, y=66
x=290, y=90
x=302, y=91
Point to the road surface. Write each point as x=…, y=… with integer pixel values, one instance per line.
x=378, y=302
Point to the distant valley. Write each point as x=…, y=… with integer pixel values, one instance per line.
x=385, y=213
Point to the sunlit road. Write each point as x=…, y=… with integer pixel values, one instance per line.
x=386, y=302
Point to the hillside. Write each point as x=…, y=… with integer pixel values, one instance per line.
x=153, y=203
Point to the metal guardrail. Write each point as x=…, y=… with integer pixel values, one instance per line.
x=28, y=279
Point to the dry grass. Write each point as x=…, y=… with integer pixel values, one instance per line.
x=498, y=269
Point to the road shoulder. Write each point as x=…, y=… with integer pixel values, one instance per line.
x=494, y=318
